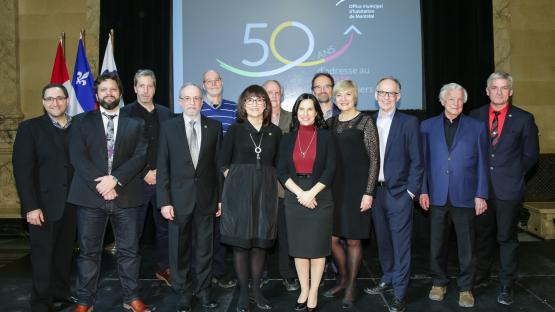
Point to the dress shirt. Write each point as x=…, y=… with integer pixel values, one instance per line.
x=58, y=125
x=105, y=120
x=500, y=119
x=384, y=124
x=450, y=129
x=197, y=128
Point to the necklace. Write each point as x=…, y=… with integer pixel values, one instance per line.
x=257, y=148
x=303, y=154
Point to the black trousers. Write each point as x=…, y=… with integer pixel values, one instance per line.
x=51, y=254
x=285, y=264
x=196, y=230
x=441, y=218
x=497, y=229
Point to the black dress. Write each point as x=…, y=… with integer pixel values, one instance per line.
x=249, y=197
x=356, y=174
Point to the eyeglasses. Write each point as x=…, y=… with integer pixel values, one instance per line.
x=52, y=99
x=386, y=94
x=213, y=81
x=322, y=87
x=193, y=99
x=255, y=101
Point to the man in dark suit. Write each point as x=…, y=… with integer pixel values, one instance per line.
x=107, y=149
x=188, y=189
x=454, y=188
x=153, y=116
x=513, y=151
x=282, y=119
x=42, y=175
x=399, y=182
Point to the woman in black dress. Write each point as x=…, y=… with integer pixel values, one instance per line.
x=356, y=175
x=249, y=197
x=306, y=167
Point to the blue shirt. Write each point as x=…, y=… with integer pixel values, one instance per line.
x=225, y=113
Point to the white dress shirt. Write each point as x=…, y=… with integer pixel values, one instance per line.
x=384, y=124
x=105, y=120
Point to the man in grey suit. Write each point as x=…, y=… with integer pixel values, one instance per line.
x=282, y=119
x=188, y=189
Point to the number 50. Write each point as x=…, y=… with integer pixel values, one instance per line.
x=262, y=43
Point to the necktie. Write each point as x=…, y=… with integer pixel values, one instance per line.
x=494, y=134
x=193, y=143
x=110, y=140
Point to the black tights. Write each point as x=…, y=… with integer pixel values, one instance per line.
x=347, y=264
x=248, y=261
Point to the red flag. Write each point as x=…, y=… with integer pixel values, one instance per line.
x=61, y=76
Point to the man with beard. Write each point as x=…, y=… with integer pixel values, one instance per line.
x=322, y=86
x=108, y=151
x=153, y=115
x=42, y=173
x=216, y=107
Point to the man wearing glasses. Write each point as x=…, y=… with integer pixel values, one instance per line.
x=216, y=107
x=42, y=175
x=399, y=181
x=322, y=86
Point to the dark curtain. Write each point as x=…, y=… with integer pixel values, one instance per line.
x=457, y=46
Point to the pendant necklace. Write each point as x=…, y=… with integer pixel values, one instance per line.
x=257, y=149
x=303, y=154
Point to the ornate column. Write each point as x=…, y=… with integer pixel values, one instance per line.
x=10, y=112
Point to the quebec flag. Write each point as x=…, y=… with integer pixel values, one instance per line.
x=83, y=82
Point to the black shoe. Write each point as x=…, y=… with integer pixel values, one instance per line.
x=505, y=295
x=330, y=293
x=208, y=303
x=300, y=306
x=65, y=300
x=398, y=305
x=261, y=302
x=379, y=289
x=184, y=303
x=184, y=308
x=312, y=309
x=242, y=309
x=224, y=283
x=290, y=284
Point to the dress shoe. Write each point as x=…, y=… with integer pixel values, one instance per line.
x=300, y=306
x=437, y=293
x=291, y=284
x=82, y=308
x=207, y=302
x=184, y=303
x=224, y=283
x=164, y=276
x=466, y=299
x=505, y=295
x=312, y=309
x=137, y=305
x=184, y=308
x=347, y=304
x=66, y=300
x=398, y=305
x=261, y=302
x=378, y=289
x=333, y=292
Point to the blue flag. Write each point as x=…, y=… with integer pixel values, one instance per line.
x=83, y=82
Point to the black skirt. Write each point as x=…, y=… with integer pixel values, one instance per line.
x=309, y=230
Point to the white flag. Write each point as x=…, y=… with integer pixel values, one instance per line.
x=109, y=63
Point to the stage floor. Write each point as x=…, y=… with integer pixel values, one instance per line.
x=534, y=291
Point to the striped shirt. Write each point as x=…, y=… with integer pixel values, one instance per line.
x=225, y=113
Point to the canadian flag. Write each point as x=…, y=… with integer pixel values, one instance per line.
x=61, y=76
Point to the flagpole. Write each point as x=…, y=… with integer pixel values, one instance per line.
x=63, y=40
x=83, y=37
x=112, y=38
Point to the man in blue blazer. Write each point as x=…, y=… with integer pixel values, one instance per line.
x=513, y=151
x=399, y=182
x=454, y=188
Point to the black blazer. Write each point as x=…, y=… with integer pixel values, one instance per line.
x=403, y=166
x=516, y=152
x=323, y=169
x=89, y=156
x=41, y=168
x=178, y=183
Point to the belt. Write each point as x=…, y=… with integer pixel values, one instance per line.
x=381, y=183
x=304, y=175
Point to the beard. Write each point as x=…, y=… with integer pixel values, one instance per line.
x=108, y=105
x=323, y=98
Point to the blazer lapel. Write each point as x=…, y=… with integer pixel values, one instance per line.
x=393, y=130
x=458, y=133
x=181, y=132
x=203, y=136
x=507, y=126
x=441, y=126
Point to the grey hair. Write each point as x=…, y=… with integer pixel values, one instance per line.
x=500, y=75
x=190, y=84
x=449, y=87
x=389, y=78
x=144, y=73
x=274, y=81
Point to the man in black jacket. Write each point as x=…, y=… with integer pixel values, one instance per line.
x=107, y=149
x=42, y=174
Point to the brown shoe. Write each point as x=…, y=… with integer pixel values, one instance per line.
x=437, y=293
x=164, y=276
x=137, y=305
x=82, y=308
x=466, y=299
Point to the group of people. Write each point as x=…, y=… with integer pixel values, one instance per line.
x=250, y=175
